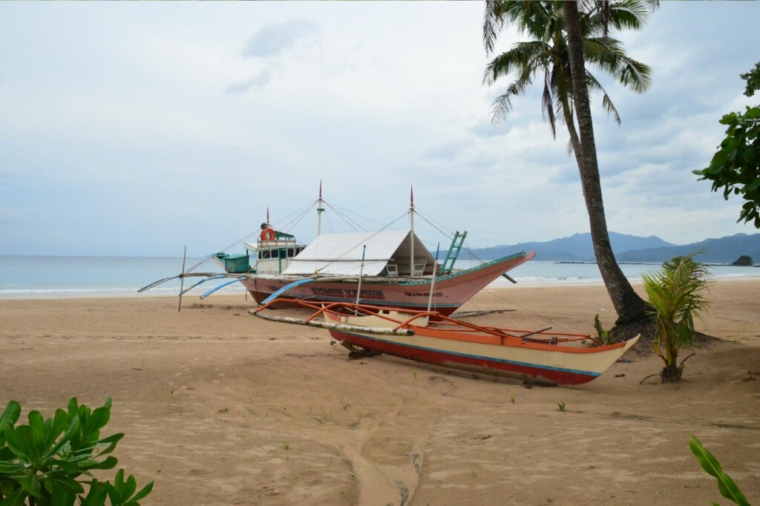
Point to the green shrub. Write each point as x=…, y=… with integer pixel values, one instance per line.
x=603, y=337
x=675, y=299
x=48, y=461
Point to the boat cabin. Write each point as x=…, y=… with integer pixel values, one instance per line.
x=269, y=256
x=273, y=257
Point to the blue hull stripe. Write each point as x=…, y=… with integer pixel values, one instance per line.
x=488, y=359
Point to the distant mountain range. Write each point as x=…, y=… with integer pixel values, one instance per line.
x=630, y=248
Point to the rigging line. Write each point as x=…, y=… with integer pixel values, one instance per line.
x=344, y=217
x=472, y=253
x=362, y=242
x=304, y=210
x=307, y=206
x=450, y=236
x=351, y=223
x=339, y=215
x=446, y=234
x=356, y=214
x=300, y=213
x=449, y=232
x=297, y=220
x=535, y=313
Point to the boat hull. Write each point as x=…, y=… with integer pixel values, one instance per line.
x=450, y=291
x=542, y=363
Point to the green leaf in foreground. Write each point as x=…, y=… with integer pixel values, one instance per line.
x=710, y=464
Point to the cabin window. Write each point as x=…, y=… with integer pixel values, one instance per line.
x=291, y=252
x=265, y=254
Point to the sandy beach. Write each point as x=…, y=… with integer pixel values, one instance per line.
x=221, y=408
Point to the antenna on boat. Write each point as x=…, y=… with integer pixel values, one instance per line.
x=267, y=216
x=411, y=215
x=320, y=210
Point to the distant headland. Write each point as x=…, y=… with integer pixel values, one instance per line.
x=633, y=249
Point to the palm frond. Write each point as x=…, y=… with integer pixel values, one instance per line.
x=493, y=22
x=523, y=57
x=502, y=105
x=635, y=75
x=547, y=102
x=609, y=107
x=609, y=56
x=617, y=16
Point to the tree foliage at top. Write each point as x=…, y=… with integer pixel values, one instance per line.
x=753, y=80
x=735, y=167
x=545, y=56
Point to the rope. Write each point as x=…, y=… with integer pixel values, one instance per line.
x=355, y=214
x=351, y=223
x=295, y=221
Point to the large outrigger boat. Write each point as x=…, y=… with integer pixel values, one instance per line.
x=389, y=268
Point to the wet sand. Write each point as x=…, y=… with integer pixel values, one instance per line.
x=221, y=408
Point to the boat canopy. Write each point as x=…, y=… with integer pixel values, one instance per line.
x=388, y=252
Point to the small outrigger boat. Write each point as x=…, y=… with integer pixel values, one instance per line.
x=433, y=338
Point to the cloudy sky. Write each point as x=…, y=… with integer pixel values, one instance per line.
x=137, y=128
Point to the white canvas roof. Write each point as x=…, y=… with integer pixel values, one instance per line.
x=341, y=254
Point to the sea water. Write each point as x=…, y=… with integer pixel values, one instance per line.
x=65, y=276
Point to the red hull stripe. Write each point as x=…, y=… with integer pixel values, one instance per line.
x=558, y=374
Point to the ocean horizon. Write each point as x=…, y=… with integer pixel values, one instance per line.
x=98, y=276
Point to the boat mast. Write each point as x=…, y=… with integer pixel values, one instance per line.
x=411, y=215
x=320, y=210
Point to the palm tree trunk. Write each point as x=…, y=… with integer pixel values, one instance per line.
x=574, y=140
x=628, y=305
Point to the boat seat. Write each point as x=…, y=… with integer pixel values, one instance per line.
x=391, y=270
x=419, y=268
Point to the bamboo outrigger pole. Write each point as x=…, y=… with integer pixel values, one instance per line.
x=182, y=280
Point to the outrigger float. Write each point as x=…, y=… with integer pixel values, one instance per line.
x=434, y=338
x=388, y=268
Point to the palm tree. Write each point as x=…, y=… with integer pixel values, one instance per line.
x=565, y=94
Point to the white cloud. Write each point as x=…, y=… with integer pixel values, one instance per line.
x=272, y=39
x=258, y=81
